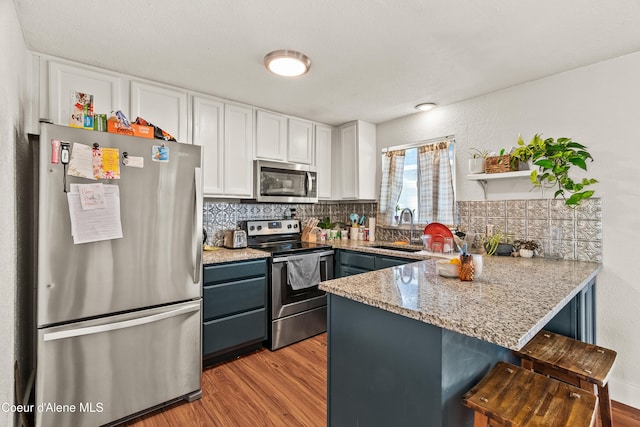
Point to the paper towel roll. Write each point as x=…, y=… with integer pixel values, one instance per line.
x=372, y=229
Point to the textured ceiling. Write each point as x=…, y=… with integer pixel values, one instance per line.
x=371, y=59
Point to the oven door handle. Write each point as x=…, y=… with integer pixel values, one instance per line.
x=287, y=258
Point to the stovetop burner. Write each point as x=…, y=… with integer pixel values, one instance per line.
x=279, y=237
x=290, y=247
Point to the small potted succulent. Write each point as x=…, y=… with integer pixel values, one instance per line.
x=526, y=248
x=477, y=159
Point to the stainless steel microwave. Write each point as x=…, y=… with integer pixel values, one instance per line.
x=285, y=182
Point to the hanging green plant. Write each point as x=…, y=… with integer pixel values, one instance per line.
x=554, y=159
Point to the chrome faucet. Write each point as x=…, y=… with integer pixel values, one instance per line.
x=412, y=224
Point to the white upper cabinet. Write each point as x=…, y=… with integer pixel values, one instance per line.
x=301, y=149
x=208, y=131
x=109, y=90
x=355, y=161
x=238, y=151
x=271, y=136
x=323, y=160
x=163, y=106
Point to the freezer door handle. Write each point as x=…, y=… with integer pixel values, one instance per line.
x=51, y=336
x=197, y=229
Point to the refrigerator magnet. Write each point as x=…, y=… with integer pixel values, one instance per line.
x=160, y=153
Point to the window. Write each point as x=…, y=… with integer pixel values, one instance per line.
x=409, y=193
x=419, y=177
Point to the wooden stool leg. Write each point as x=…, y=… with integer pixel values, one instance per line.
x=586, y=385
x=480, y=420
x=605, y=405
x=526, y=364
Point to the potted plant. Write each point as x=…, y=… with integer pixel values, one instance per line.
x=477, y=159
x=554, y=160
x=397, y=216
x=326, y=224
x=526, y=248
x=497, y=244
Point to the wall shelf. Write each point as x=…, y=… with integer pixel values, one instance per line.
x=483, y=178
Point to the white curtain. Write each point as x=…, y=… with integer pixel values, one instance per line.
x=391, y=187
x=435, y=186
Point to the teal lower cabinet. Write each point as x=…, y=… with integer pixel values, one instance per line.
x=388, y=370
x=577, y=319
x=234, y=309
x=383, y=261
x=349, y=263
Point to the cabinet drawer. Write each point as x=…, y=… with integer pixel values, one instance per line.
x=350, y=271
x=232, y=331
x=233, y=297
x=234, y=271
x=385, y=262
x=359, y=260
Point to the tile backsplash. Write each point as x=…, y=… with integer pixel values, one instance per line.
x=219, y=216
x=568, y=233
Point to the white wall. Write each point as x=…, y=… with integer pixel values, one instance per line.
x=13, y=56
x=598, y=106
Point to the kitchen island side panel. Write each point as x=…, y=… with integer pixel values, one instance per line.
x=383, y=369
x=386, y=369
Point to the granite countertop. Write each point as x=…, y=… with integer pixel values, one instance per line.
x=512, y=300
x=367, y=246
x=220, y=255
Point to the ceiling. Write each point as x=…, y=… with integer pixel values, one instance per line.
x=372, y=60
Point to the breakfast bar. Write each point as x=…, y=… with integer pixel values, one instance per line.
x=405, y=344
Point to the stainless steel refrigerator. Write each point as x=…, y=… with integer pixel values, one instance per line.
x=118, y=320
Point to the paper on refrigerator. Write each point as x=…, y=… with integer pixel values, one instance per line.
x=99, y=223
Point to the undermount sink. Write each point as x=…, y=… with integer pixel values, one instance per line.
x=395, y=248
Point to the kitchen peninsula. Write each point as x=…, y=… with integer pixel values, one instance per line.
x=405, y=344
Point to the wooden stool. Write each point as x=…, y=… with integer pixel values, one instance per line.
x=578, y=363
x=513, y=396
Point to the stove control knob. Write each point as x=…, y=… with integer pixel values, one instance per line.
x=252, y=228
x=259, y=227
x=295, y=225
x=289, y=226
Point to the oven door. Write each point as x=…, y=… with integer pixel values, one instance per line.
x=286, y=301
x=285, y=182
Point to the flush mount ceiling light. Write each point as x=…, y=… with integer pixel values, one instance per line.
x=287, y=63
x=425, y=106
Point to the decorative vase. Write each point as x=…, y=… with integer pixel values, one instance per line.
x=466, y=268
x=476, y=165
x=526, y=253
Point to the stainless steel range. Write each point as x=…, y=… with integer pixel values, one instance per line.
x=298, y=309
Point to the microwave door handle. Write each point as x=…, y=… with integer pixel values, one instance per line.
x=309, y=185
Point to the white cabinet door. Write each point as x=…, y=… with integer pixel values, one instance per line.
x=163, y=106
x=208, y=131
x=323, y=160
x=271, y=136
x=357, y=161
x=108, y=90
x=301, y=148
x=238, y=150
x=348, y=159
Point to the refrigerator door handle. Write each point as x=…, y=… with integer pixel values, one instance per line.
x=51, y=336
x=197, y=227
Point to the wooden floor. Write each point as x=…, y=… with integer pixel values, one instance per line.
x=287, y=387
x=281, y=389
